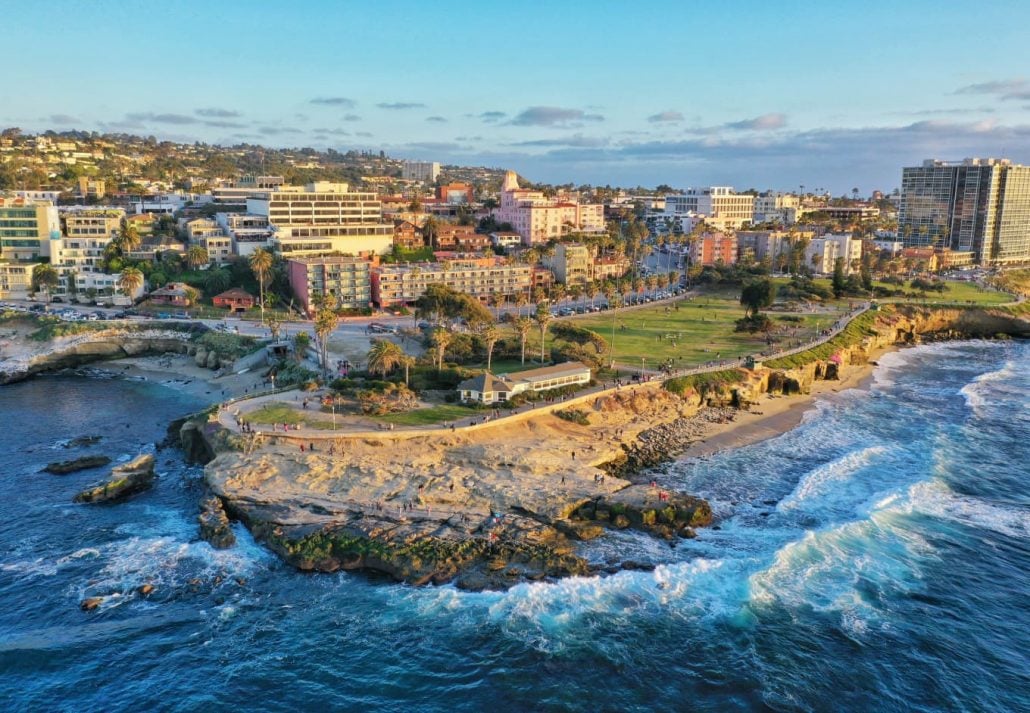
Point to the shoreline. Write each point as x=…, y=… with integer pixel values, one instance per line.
x=180, y=373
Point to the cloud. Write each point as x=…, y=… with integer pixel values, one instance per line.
x=436, y=119
x=334, y=101
x=491, y=116
x=553, y=116
x=217, y=113
x=947, y=112
x=351, y=117
x=62, y=119
x=665, y=116
x=1005, y=89
x=332, y=132
x=150, y=117
x=765, y=122
x=576, y=140
x=364, y=134
x=400, y=106
x=225, y=124
x=434, y=146
x=277, y=130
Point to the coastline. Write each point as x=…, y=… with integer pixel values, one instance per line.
x=180, y=372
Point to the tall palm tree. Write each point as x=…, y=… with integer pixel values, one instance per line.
x=440, y=340
x=45, y=278
x=196, y=256
x=129, y=239
x=326, y=321
x=130, y=280
x=384, y=357
x=521, y=300
x=543, y=319
x=407, y=361
x=497, y=300
x=522, y=326
x=490, y=335
x=261, y=265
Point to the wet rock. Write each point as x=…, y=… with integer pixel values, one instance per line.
x=195, y=446
x=133, y=477
x=64, y=467
x=214, y=524
x=83, y=441
x=621, y=522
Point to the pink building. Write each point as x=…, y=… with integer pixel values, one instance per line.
x=714, y=248
x=538, y=218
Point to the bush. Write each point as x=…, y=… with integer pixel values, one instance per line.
x=574, y=415
x=791, y=318
x=231, y=346
x=703, y=383
x=754, y=323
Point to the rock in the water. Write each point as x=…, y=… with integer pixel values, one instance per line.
x=214, y=524
x=83, y=441
x=90, y=603
x=195, y=447
x=645, y=508
x=63, y=467
x=133, y=477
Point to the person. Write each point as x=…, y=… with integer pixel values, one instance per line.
x=301, y=447
x=573, y=455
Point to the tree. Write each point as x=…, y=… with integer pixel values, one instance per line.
x=196, y=256
x=129, y=239
x=261, y=265
x=839, y=281
x=384, y=357
x=440, y=339
x=301, y=342
x=757, y=294
x=497, y=300
x=326, y=321
x=522, y=326
x=45, y=278
x=407, y=361
x=130, y=280
x=490, y=334
x=543, y=319
x=214, y=282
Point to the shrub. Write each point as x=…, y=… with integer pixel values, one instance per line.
x=574, y=415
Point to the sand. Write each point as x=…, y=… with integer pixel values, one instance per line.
x=181, y=373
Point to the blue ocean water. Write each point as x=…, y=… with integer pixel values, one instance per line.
x=876, y=558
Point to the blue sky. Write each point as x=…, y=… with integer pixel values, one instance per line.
x=751, y=94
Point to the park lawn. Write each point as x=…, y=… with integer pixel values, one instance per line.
x=957, y=292
x=427, y=416
x=279, y=412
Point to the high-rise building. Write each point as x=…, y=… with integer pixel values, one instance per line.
x=721, y=207
x=345, y=280
x=27, y=227
x=976, y=205
x=424, y=171
x=324, y=218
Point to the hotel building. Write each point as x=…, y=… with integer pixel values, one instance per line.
x=26, y=228
x=344, y=279
x=480, y=277
x=539, y=219
x=721, y=207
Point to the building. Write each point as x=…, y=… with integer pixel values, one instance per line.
x=346, y=280
x=505, y=239
x=27, y=228
x=713, y=249
x=768, y=244
x=719, y=205
x=235, y=299
x=487, y=388
x=821, y=253
x=459, y=237
x=407, y=235
x=456, y=194
x=423, y=171
x=322, y=219
x=175, y=294
x=850, y=213
x=16, y=279
x=776, y=207
x=79, y=255
x=236, y=193
x=539, y=219
x=248, y=232
x=976, y=205
x=572, y=263
x=610, y=266
x=90, y=187
x=894, y=247
x=480, y=277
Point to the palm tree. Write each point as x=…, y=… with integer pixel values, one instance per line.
x=490, y=335
x=522, y=325
x=326, y=321
x=129, y=239
x=497, y=300
x=260, y=265
x=407, y=361
x=384, y=357
x=216, y=281
x=130, y=280
x=45, y=278
x=196, y=256
x=543, y=319
x=521, y=300
x=440, y=339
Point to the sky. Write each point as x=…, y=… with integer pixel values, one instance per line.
x=829, y=95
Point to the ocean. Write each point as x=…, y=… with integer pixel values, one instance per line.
x=875, y=558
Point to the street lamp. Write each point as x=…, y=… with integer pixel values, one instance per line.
x=642, y=359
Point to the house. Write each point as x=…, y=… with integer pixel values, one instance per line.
x=487, y=388
x=235, y=299
x=176, y=294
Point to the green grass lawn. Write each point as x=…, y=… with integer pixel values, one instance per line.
x=428, y=416
x=279, y=412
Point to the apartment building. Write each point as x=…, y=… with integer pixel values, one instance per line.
x=79, y=253
x=459, y=237
x=719, y=205
x=776, y=207
x=975, y=205
x=324, y=218
x=423, y=171
x=346, y=280
x=539, y=219
x=480, y=277
x=90, y=187
x=761, y=244
x=27, y=227
x=16, y=279
x=713, y=249
x=456, y=194
x=572, y=263
x=821, y=253
x=248, y=232
x=236, y=193
x=407, y=235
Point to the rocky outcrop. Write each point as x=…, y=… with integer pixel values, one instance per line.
x=196, y=447
x=665, y=441
x=125, y=480
x=64, y=467
x=214, y=524
x=642, y=507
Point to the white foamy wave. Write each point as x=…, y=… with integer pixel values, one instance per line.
x=820, y=480
x=975, y=392
x=936, y=499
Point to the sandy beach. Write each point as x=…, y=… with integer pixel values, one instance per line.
x=180, y=372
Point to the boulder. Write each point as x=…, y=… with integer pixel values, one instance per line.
x=83, y=441
x=200, y=358
x=214, y=524
x=195, y=446
x=133, y=477
x=64, y=467
x=212, y=360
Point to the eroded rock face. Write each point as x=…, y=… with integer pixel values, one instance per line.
x=125, y=480
x=642, y=507
x=214, y=524
x=71, y=466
